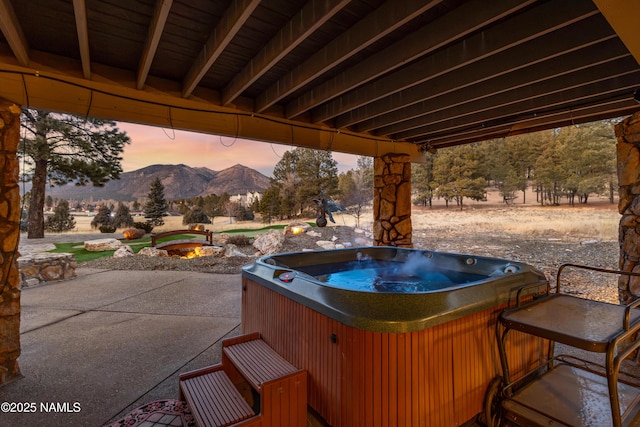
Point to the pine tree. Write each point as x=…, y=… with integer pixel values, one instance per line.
x=356, y=188
x=63, y=148
x=103, y=217
x=122, y=216
x=422, y=182
x=157, y=206
x=270, y=204
x=285, y=182
x=300, y=176
x=458, y=173
x=317, y=171
x=61, y=220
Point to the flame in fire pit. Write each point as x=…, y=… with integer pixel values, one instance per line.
x=190, y=254
x=195, y=253
x=297, y=230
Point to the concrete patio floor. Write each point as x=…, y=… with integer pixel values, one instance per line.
x=107, y=342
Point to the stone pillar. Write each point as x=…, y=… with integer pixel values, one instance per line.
x=628, y=152
x=9, y=236
x=392, y=200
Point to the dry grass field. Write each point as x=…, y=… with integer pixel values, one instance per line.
x=579, y=222
x=564, y=222
x=596, y=220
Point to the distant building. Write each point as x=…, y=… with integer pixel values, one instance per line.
x=246, y=199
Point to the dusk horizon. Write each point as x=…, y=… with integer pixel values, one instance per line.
x=155, y=145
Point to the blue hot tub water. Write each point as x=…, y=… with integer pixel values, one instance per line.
x=415, y=274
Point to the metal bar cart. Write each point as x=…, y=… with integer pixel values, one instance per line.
x=567, y=390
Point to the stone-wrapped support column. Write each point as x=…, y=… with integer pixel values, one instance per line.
x=392, y=201
x=9, y=237
x=628, y=152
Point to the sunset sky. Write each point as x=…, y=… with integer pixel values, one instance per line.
x=154, y=145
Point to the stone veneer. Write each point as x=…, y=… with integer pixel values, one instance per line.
x=46, y=267
x=9, y=237
x=392, y=201
x=628, y=151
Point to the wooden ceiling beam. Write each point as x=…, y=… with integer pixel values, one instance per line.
x=158, y=21
x=615, y=87
x=609, y=58
x=311, y=17
x=567, y=47
x=80, y=13
x=520, y=96
x=230, y=23
x=12, y=31
x=464, y=20
x=601, y=111
x=503, y=106
x=526, y=26
x=623, y=16
x=382, y=21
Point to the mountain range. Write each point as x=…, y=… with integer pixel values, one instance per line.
x=179, y=181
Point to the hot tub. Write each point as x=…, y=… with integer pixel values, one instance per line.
x=389, y=336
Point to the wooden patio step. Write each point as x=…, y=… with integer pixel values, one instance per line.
x=213, y=399
x=257, y=362
x=281, y=386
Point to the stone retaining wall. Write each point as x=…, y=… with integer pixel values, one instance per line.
x=46, y=267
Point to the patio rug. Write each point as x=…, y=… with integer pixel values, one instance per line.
x=169, y=412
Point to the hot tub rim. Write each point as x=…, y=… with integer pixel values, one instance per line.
x=443, y=304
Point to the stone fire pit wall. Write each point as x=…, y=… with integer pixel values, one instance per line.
x=628, y=151
x=9, y=236
x=392, y=201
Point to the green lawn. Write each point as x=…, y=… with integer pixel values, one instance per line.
x=83, y=255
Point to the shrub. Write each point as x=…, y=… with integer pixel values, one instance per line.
x=239, y=240
x=106, y=228
x=146, y=226
x=196, y=215
x=244, y=214
x=103, y=217
x=61, y=220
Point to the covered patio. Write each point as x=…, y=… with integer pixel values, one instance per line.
x=391, y=80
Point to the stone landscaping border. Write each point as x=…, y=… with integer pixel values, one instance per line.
x=36, y=268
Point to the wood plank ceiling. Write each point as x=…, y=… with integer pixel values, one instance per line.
x=358, y=76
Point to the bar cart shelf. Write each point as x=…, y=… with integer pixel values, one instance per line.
x=568, y=390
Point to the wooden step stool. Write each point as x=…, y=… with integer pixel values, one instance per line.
x=215, y=401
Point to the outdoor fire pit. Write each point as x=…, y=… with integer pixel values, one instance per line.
x=388, y=335
x=186, y=248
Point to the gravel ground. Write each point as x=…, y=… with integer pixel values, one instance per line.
x=545, y=254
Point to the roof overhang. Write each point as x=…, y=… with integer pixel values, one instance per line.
x=365, y=77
